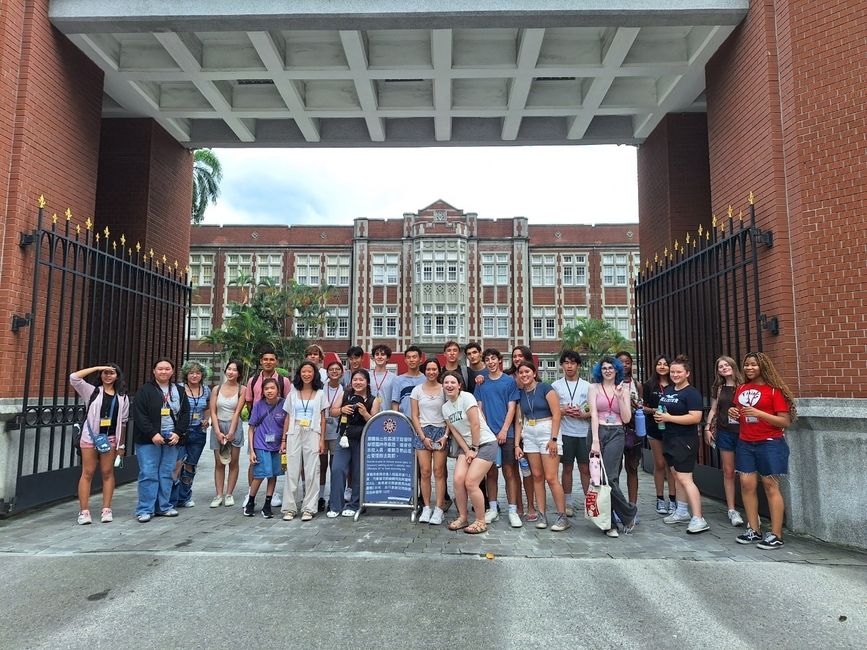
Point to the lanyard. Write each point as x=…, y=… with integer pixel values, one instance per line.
x=610, y=401
x=571, y=392
x=331, y=397
x=166, y=402
x=196, y=399
x=304, y=405
x=379, y=384
x=531, y=406
x=112, y=407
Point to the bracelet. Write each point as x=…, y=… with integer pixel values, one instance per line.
x=121, y=447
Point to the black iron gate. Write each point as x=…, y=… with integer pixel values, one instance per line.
x=96, y=299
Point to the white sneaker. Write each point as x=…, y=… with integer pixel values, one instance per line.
x=515, y=520
x=697, y=525
x=612, y=532
x=736, y=519
x=675, y=518
x=437, y=517
x=491, y=515
x=276, y=501
x=570, y=510
x=229, y=501
x=332, y=515
x=246, y=500
x=424, y=518
x=189, y=504
x=348, y=512
x=84, y=518
x=217, y=501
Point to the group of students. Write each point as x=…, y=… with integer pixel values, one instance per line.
x=507, y=419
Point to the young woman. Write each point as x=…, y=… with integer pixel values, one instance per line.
x=162, y=418
x=265, y=432
x=683, y=411
x=633, y=444
x=522, y=353
x=334, y=396
x=426, y=402
x=653, y=390
x=609, y=409
x=227, y=434
x=478, y=451
x=722, y=430
x=193, y=378
x=304, y=439
x=764, y=407
x=107, y=414
x=357, y=407
x=537, y=437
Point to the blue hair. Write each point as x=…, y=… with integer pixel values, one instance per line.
x=614, y=361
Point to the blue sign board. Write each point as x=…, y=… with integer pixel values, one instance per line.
x=388, y=461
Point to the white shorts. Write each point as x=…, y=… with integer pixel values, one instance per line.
x=534, y=439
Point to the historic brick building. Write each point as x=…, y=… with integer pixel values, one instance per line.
x=434, y=275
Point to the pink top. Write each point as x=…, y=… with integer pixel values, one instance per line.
x=607, y=405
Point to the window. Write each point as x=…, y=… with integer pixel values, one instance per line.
x=269, y=266
x=542, y=270
x=571, y=314
x=307, y=270
x=385, y=268
x=301, y=328
x=337, y=323
x=384, y=318
x=238, y=265
x=337, y=270
x=544, y=321
x=574, y=270
x=619, y=318
x=495, y=321
x=441, y=320
x=495, y=269
x=441, y=266
x=549, y=369
x=201, y=270
x=200, y=321
x=614, y=269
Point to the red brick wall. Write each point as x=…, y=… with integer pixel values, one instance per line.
x=49, y=141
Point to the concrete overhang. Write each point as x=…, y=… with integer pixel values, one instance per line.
x=339, y=73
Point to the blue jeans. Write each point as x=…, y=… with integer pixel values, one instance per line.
x=343, y=460
x=182, y=490
x=155, y=466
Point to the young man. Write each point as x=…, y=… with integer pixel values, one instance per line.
x=381, y=379
x=316, y=354
x=574, y=424
x=354, y=358
x=452, y=352
x=498, y=398
x=268, y=365
x=475, y=363
x=403, y=384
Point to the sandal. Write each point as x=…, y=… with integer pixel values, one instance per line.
x=476, y=527
x=458, y=523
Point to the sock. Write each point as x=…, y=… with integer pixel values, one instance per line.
x=268, y=498
x=682, y=508
x=672, y=498
x=513, y=507
x=659, y=497
x=494, y=506
x=569, y=499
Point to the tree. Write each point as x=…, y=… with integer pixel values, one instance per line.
x=594, y=338
x=207, y=176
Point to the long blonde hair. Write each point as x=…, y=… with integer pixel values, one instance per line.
x=719, y=380
x=772, y=378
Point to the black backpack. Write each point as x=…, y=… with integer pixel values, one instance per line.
x=279, y=378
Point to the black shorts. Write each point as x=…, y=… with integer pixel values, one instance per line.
x=507, y=450
x=575, y=449
x=680, y=452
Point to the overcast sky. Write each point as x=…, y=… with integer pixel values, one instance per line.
x=566, y=184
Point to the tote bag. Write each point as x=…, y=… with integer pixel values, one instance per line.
x=597, y=503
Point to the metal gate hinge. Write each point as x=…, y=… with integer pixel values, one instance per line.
x=26, y=238
x=21, y=321
x=770, y=323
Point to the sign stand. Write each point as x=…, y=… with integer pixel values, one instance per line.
x=388, y=465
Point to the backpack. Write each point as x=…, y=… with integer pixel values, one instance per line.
x=258, y=378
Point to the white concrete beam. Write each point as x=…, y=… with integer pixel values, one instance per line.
x=441, y=56
x=356, y=56
x=528, y=54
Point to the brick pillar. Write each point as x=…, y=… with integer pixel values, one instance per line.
x=144, y=187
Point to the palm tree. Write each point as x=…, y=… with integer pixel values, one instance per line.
x=594, y=338
x=207, y=175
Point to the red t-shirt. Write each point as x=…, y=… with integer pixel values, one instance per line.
x=764, y=398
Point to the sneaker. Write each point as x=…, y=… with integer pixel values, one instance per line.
x=770, y=543
x=171, y=512
x=84, y=518
x=331, y=514
x=491, y=515
x=347, y=494
x=249, y=506
x=661, y=507
x=143, y=519
x=697, y=525
x=750, y=536
x=562, y=523
x=187, y=504
x=629, y=530
x=107, y=516
x=276, y=501
x=570, y=510
x=616, y=519
x=672, y=507
x=612, y=532
x=306, y=515
x=515, y=520
x=266, y=511
x=542, y=521
x=229, y=501
x=437, y=517
x=424, y=517
x=246, y=501
x=217, y=501
x=348, y=512
x=675, y=518
x=736, y=519
x=288, y=515
x=320, y=506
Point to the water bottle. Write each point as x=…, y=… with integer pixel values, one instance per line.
x=640, y=428
x=595, y=470
x=525, y=467
x=661, y=425
x=283, y=462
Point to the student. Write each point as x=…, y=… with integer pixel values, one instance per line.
x=303, y=440
x=193, y=377
x=653, y=391
x=227, y=434
x=107, y=414
x=539, y=431
x=684, y=408
x=162, y=418
x=723, y=431
x=426, y=404
x=316, y=354
x=265, y=432
x=354, y=359
x=764, y=406
x=403, y=384
x=633, y=444
x=498, y=399
x=475, y=363
x=574, y=425
x=334, y=397
x=451, y=354
x=522, y=353
x=382, y=378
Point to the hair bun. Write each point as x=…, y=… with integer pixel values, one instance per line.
x=681, y=358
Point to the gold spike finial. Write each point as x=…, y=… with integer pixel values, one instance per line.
x=41, y=201
x=676, y=244
x=713, y=221
x=700, y=230
x=151, y=252
x=113, y=245
x=106, y=232
x=707, y=234
x=77, y=229
x=751, y=199
x=687, y=238
x=176, y=264
x=741, y=215
x=722, y=227
x=656, y=258
x=187, y=270
x=164, y=260
x=68, y=214
x=122, y=239
x=694, y=243
x=54, y=218
x=730, y=211
x=97, y=236
x=88, y=224
x=665, y=252
x=137, y=247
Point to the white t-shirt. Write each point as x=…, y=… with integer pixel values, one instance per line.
x=430, y=407
x=572, y=392
x=456, y=414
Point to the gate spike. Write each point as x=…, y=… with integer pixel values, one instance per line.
x=68, y=214
x=54, y=218
x=41, y=201
x=730, y=211
x=751, y=199
x=87, y=224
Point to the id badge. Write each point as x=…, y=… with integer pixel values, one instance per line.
x=344, y=419
x=196, y=417
x=610, y=419
x=270, y=438
x=532, y=423
x=165, y=411
x=105, y=422
x=304, y=423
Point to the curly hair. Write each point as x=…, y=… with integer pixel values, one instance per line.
x=190, y=366
x=772, y=378
x=614, y=361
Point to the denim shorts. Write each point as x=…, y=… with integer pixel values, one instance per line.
x=726, y=440
x=224, y=425
x=268, y=464
x=767, y=457
x=430, y=431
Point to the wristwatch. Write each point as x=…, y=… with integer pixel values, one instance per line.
x=554, y=438
x=473, y=448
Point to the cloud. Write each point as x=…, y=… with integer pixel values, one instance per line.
x=567, y=184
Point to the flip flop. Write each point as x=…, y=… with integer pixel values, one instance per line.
x=458, y=524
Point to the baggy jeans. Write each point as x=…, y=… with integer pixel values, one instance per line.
x=612, y=440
